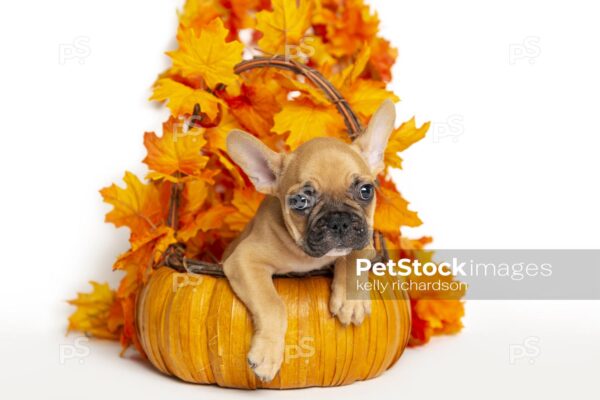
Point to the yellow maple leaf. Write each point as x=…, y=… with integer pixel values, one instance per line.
x=320, y=56
x=284, y=26
x=93, y=312
x=401, y=139
x=181, y=98
x=365, y=96
x=207, y=54
x=351, y=72
x=137, y=206
x=304, y=121
x=176, y=152
x=392, y=211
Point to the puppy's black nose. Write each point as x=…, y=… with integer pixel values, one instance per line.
x=338, y=222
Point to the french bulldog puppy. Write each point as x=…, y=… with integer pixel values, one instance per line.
x=318, y=211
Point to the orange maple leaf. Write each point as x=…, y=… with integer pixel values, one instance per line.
x=256, y=105
x=382, y=59
x=435, y=317
x=137, y=206
x=392, y=211
x=194, y=197
x=348, y=26
x=246, y=202
x=217, y=135
x=212, y=218
x=177, y=151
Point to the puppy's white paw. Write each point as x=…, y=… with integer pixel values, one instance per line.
x=349, y=311
x=265, y=358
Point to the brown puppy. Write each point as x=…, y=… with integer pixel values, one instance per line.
x=319, y=210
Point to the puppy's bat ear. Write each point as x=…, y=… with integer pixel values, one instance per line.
x=261, y=164
x=372, y=143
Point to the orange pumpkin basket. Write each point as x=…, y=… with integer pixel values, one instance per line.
x=191, y=325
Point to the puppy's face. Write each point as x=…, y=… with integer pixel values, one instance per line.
x=325, y=187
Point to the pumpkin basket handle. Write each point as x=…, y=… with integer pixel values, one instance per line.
x=174, y=256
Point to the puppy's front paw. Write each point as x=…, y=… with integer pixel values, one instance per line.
x=265, y=358
x=349, y=311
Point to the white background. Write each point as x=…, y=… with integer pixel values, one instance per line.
x=510, y=162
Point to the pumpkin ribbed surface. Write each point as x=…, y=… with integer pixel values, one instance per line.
x=195, y=328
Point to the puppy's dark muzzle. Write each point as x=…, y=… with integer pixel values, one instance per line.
x=336, y=230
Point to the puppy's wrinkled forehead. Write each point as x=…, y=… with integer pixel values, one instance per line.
x=328, y=162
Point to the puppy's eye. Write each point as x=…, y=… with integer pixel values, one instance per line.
x=366, y=192
x=299, y=202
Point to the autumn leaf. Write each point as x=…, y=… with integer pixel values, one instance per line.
x=392, y=211
x=256, y=105
x=207, y=54
x=147, y=249
x=176, y=152
x=232, y=170
x=137, y=206
x=284, y=26
x=382, y=59
x=241, y=13
x=305, y=121
x=434, y=317
x=316, y=95
x=352, y=72
x=181, y=98
x=93, y=312
x=349, y=27
x=401, y=139
x=194, y=197
x=217, y=135
x=365, y=96
x=320, y=55
x=212, y=218
x=198, y=13
x=129, y=332
x=246, y=202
